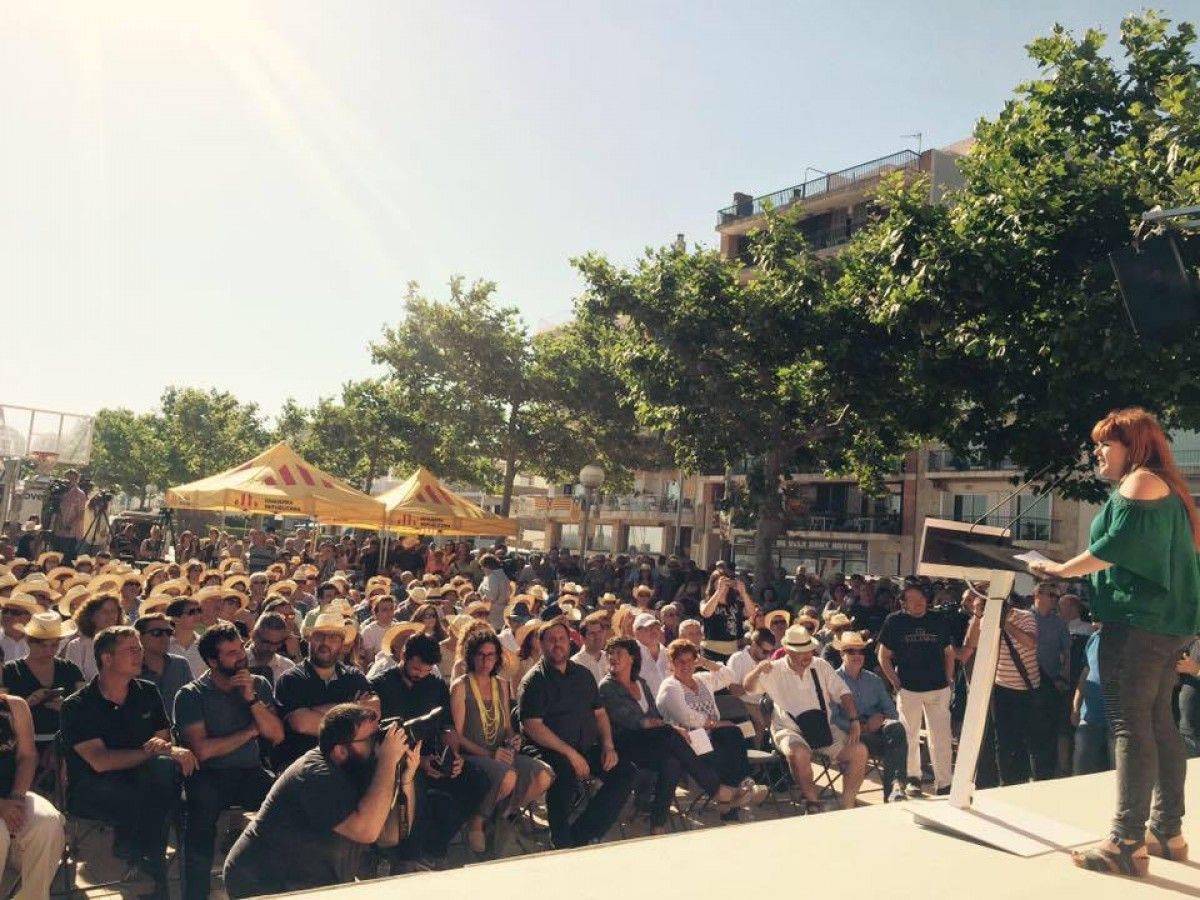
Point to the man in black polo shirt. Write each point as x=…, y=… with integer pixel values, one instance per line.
x=220, y=717
x=121, y=763
x=307, y=692
x=565, y=725
x=447, y=794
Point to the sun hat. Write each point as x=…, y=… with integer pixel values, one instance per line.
x=525, y=630
x=778, y=614
x=645, y=620
x=418, y=594
x=478, y=606
x=839, y=620
x=22, y=602
x=37, y=584
x=397, y=629
x=72, y=600
x=537, y=592
x=608, y=598
x=48, y=626
x=799, y=639
x=60, y=572
x=243, y=600
x=850, y=640
x=233, y=581
x=330, y=622
x=44, y=558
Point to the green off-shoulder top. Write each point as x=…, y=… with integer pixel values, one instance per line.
x=1154, y=581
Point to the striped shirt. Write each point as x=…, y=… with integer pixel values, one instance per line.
x=1006, y=670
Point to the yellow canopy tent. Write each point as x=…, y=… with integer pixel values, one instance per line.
x=280, y=482
x=421, y=504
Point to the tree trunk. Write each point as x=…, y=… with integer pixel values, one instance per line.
x=510, y=459
x=770, y=522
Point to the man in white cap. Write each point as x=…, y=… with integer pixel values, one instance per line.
x=655, y=665
x=804, y=689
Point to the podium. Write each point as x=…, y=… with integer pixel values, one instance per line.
x=980, y=553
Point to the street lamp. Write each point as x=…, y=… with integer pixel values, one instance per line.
x=591, y=477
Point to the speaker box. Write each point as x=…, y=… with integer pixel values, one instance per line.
x=1160, y=295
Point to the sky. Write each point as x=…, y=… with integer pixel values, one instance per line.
x=235, y=195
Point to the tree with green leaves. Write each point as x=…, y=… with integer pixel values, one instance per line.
x=485, y=400
x=206, y=432
x=128, y=454
x=357, y=438
x=775, y=370
x=1004, y=297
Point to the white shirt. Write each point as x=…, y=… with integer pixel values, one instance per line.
x=740, y=664
x=383, y=662
x=672, y=697
x=654, y=670
x=598, y=667
x=191, y=654
x=278, y=665
x=79, y=651
x=372, y=638
x=13, y=648
x=793, y=694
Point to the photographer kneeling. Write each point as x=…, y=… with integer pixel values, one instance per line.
x=326, y=808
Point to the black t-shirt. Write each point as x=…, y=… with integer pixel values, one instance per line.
x=302, y=687
x=290, y=843
x=918, y=649
x=566, y=702
x=20, y=680
x=399, y=698
x=725, y=624
x=88, y=714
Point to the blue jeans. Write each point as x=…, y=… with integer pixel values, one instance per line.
x=1137, y=675
x=1093, y=749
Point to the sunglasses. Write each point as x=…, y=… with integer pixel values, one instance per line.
x=159, y=632
x=192, y=611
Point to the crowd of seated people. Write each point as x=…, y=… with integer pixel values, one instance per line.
x=369, y=708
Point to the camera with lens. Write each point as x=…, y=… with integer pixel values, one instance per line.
x=99, y=501
x=426, y=729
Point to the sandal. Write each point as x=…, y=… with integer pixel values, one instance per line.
x=812, y=807
x=1158, y=844
x=1120, y=862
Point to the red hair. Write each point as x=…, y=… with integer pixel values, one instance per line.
x=1148, y=448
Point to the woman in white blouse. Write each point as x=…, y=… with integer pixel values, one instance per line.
x=98, y=613
x=685, y=698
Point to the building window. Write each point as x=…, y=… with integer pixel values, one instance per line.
x=969, y=507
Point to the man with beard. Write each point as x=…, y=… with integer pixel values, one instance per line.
x=448, y=791
x=268, y=638
x=220, y=717
x=328, y=806
x=310, y=690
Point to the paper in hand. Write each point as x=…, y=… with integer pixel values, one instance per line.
x=1032, y=556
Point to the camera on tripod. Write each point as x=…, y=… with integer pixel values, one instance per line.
x=99, y=501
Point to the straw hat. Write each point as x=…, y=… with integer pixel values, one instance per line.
x=341, y=606
x=72, y=600
x=808, y=622
x=230, y=594
x=236, y=583
x=8, y=580
x=643, y=590
x=850, y=640
x=799, y=639
x=49, y=556
x=608, y=598
x=459, y=624
x=569, y=611
x=397, y=629
x=537, y=591
x=60, y=572
x=478, y=606
x=777, y=614
x=83, y=559
x=176, y=587
x=570, y=587
x=47, y=626
x=110, y=580
x=204, y=595
x=332, y=622
x=525, y=630
x=417, y=594
x=37, y=584
x=286, y=587
x=133, y=577
x=839, y=620
x=22, y=601
x=155, y=603
x=152, y=568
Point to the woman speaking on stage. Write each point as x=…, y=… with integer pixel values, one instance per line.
x=1142, y=559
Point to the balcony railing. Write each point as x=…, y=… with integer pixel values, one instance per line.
x=642, y=504
x=1026, y=528
x=826, y=184
x=945, y=461
x=1188, y=461
x=842, y=521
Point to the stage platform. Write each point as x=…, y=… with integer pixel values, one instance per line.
x=875, y=850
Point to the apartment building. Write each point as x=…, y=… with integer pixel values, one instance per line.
x=836, y=527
